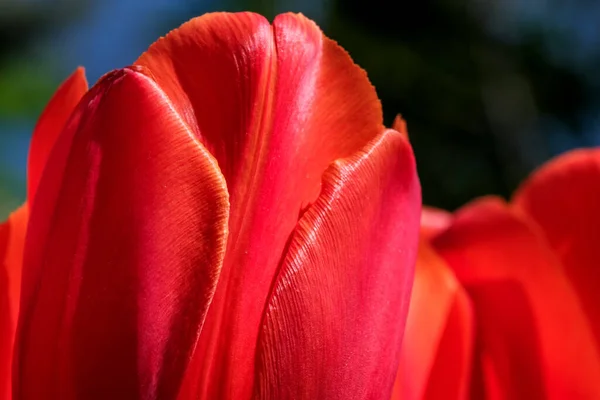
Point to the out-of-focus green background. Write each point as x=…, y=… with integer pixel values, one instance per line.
x=490, y=88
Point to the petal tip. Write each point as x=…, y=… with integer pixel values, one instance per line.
x=400, y=125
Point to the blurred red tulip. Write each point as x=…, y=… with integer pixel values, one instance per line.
x=226, y=219
x=505, y=303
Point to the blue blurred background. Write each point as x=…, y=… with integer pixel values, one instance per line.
x=490, y=88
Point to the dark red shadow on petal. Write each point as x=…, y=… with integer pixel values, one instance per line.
x=508, y=354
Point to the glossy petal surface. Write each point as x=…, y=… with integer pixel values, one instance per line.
x=438, y=343
x=334, y=322
x=563, y=197
x=50, y=125
x=534, y=341
x=275, y=105
x=123, y=256
x=12, y=242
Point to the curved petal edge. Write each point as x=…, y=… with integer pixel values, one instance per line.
x=335, y=318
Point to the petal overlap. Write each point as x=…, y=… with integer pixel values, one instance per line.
x=333, y=311
x=534, y=340
x=239, y=169
x=275, y=105
x=563, y=198
x=437, y=349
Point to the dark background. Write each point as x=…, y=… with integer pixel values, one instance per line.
x=490, y=89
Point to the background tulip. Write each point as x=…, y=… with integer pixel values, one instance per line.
x=527, y=328
x=227, y=218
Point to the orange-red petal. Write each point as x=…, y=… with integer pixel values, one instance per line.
x=123, y=255
x=334, y=322
x=438, y=343
x=563, y=198
x=450, y=376
x=400, y=125
x=12, y=242
x=275, y=105
x=50, y=125
x=534, y=340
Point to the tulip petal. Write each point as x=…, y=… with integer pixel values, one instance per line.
x=434, y=221
x=563, y=198
x=534, y=339
x=334, y=322
x=123, y=255
x=437, y=345
x=451, y=373
x=12, y=241
x=400, y=125
x=275, y=105
x=50, y=125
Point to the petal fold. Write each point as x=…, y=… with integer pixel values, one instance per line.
x=123, y=255
x=534, y=340
x=334, y=322
x=563, y=198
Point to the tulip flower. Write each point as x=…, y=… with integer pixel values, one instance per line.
x=226, y=219
x=505, y=300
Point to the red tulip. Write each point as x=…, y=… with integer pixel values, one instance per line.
x=226, y=219
x=505, y=302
